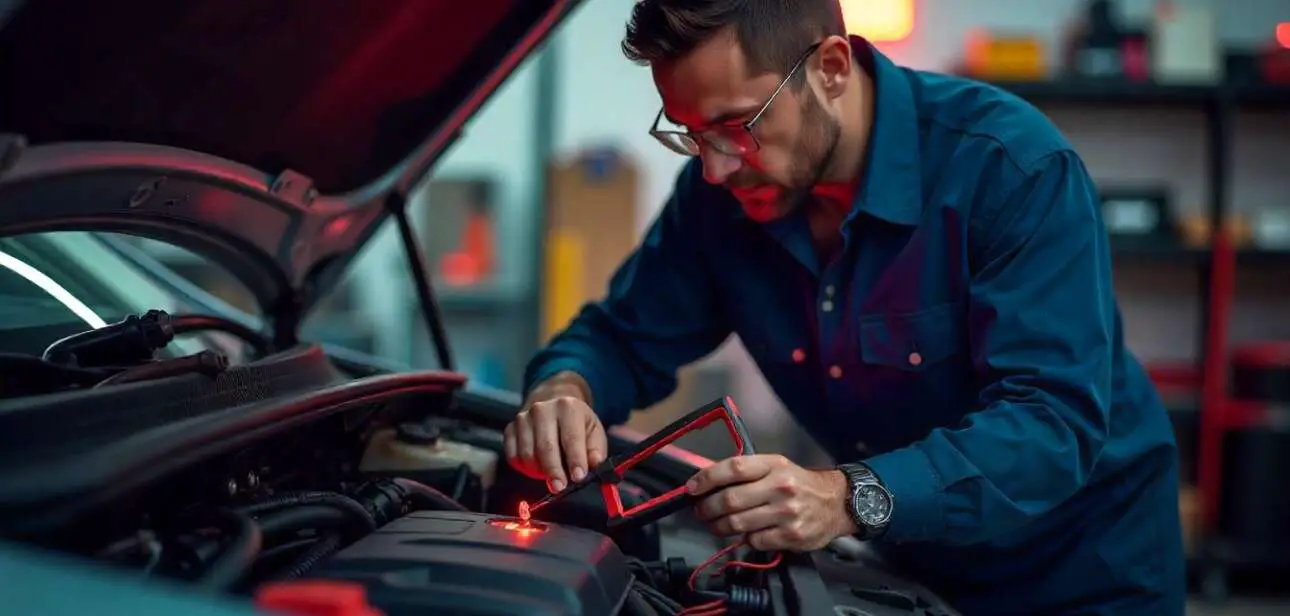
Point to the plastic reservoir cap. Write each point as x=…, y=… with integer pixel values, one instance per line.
x=315, y=598
x=419, y=433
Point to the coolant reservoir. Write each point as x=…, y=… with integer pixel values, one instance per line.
x=425, y=448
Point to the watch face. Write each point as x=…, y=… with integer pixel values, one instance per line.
x=873, y=505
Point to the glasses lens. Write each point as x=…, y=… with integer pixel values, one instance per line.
x=679, y=142
x=730, y=141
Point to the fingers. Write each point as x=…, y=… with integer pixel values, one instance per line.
x=734, y=500
x=597, y=443
x=573, y=441
x=526, y=460
x=558, y=440
x=794, y=537
x=739, y=469
x=747, y=521
x=546, y=438
x=509, y=447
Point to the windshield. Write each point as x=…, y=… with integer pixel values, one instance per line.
x=54, y=285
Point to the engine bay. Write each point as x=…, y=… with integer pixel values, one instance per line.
x=259, y=482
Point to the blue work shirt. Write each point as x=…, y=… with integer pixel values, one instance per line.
x=965, y=343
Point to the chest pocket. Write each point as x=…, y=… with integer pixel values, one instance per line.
x=917, y=365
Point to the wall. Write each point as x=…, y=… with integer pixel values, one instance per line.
x=605, y=100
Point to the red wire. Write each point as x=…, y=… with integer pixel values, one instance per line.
x=718, y=606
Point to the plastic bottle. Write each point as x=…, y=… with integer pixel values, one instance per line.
x=418, y=447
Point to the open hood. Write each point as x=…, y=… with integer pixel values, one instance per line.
x=270, y=137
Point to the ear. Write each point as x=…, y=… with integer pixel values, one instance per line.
x=833, y=62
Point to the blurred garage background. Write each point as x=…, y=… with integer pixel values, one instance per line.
x=1180, y=109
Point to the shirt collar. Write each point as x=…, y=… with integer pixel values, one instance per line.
x=891, y=188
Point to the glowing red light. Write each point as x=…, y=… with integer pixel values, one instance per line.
x=525, y=514
x=1283, y=34
x=522, y=528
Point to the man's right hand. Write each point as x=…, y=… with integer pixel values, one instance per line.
x=556, y=436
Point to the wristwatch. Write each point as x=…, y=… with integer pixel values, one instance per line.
x=871, y=504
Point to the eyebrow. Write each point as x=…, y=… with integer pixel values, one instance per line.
x=721, y=118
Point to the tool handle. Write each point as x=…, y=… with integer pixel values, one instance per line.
x=722, y=409
x=652, y=510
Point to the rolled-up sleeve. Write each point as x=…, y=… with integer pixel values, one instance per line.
x=1042, y=318
x=659, y=314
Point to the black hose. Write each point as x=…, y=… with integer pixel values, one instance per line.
x=291, y=499
x=237, y=557
x=313, y=555
x=637, y=605
x=193, y=323
x=748, y=600
x=423, y=496
x=208, y=363
x=660, y=601
x=292, y=519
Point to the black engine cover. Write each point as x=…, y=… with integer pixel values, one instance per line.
x=439, y=562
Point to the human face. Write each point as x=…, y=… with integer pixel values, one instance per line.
x=765, y=141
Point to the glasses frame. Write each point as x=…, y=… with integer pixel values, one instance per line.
x=665, y=136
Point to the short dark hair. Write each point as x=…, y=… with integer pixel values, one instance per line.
x=771, y=33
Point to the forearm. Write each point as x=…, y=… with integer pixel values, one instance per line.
x=1017, y=461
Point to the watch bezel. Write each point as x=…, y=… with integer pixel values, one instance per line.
x=860, y=476
x=873, y=487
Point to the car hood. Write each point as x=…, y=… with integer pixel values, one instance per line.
x=269, y=137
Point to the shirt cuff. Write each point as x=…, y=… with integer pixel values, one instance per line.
x=916, y=510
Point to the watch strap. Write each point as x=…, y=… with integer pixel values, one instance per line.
x=859, y=475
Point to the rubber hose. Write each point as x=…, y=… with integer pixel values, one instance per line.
x=636, y=605
x=423, y=496
x=748, y=600
x=244, y=545
x=277, y=523
x=340, y=501
x=655, y=596
x=315, y=554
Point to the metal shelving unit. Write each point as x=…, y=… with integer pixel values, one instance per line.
x=1217, y=265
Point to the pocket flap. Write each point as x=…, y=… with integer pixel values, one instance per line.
x=912, y=341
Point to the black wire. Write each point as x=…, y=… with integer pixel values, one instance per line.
x=301, y=517
x=244, y=544
x=345, y=503
x=426, y=497
x=315, y=554
x=637, y=605
x=192, y=323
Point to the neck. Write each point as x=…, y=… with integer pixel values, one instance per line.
x=855, y=125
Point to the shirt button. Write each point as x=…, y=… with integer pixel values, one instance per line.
x=827, y=306
x=915, y=359
x=799, y=356
x=835, y=371
x=828, y=290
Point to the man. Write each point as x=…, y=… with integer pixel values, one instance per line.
x=918, y=266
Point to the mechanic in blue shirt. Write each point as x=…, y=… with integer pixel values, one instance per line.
x=918, y=265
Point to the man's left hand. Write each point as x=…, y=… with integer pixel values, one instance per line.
x=776, y=503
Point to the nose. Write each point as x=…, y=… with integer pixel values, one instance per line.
x=718, y=167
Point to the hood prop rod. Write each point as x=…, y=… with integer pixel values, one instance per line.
x=397, y=204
